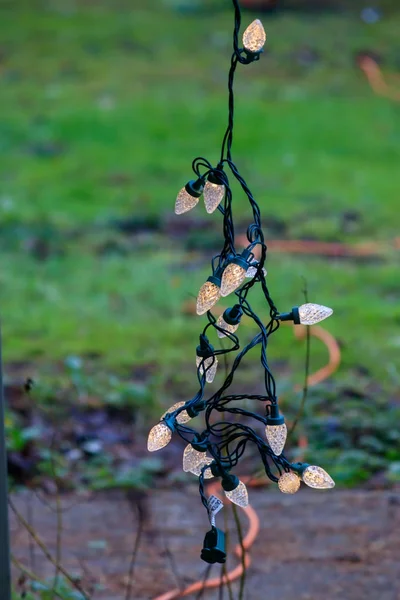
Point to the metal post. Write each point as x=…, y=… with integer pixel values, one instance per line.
x=5, y=575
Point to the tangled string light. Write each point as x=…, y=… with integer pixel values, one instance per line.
x=216, y=451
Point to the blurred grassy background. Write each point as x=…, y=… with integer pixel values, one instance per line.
x=103, y=107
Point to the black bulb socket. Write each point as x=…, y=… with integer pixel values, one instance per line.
x=274, y=417
x=204, y=349
x=195, y=187
x=229, y=482
x=233, y=315
x=294, y=316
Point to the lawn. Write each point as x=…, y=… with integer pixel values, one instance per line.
x=103, y=107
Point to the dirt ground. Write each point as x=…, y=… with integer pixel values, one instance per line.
x=312, y=546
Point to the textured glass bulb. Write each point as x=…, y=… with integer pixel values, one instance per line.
x=313, y=313
x=252, y=270
x=183, y=416
x=232, y=277
x=160, y=435
x=276, y=437
x=194, y=461
x=254, y=36
x=289, y=483
x=184, y=202
x=316, y=477
x=213, y=194
x=239, y=495
x=224, y=325
x=209, y=295
x=210, y=373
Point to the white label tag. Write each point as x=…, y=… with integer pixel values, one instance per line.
x=214, y=506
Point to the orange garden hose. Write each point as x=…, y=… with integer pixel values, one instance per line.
x=375, y=78
x=253, y=520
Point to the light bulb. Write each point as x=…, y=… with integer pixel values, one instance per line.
x=189, y=196
x=239, y=495
x=160, y=435
x=194, y=461
x=313, y=313
x=289, y=483
x=184, y=202
x=232, y=277
x=224, y=325
x=210, y=373
x=213, y=194
x=276, y=437
x=316, y=477
x=182, y=417
x=252, y=270
x=254, y=37
x=209, y=295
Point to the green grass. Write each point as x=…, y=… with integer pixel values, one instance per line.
x=102, y=111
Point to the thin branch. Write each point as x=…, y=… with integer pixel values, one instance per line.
x=59, y=524
x=306, y=368
x=135, y=550
x=243, y=551
x=305, y=386
x=45, y=550
x=29, y=517
x=32, y=575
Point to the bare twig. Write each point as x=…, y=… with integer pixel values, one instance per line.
x=59, y=523
x=203, y=587
x=172, y=563
x=133, y=558
x=31, y=574
x=306, y=370
x=243, y=550
x=45, y=550
x=29, y=517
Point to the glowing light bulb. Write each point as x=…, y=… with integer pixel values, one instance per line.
x=213, y=194
x=184, y=202
x=188, y=196
x=224, y=325
x=276, y=437
x=313, y=313
x=209, y=295
x=289, y=483
x=182, y=417
x=232, y=278
x=160, y=435
x=212, y=363
x=239, y=495
x=254, y=37
x=316, y=477
x=252, y=270
x=194, y=461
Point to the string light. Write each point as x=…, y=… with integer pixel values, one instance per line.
x=160, y=435
x=216, y=451
x=252, y=271
x=214, y=191
x=235, y=490
x=254, y=37
x=307, y=314
x=229, y=321
x=289, y=483
x=206, y=361
x=194, y=461
x=188, y=196
x=182, y=417
x=235, y=273
x=316, y=477
x=276, y=430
